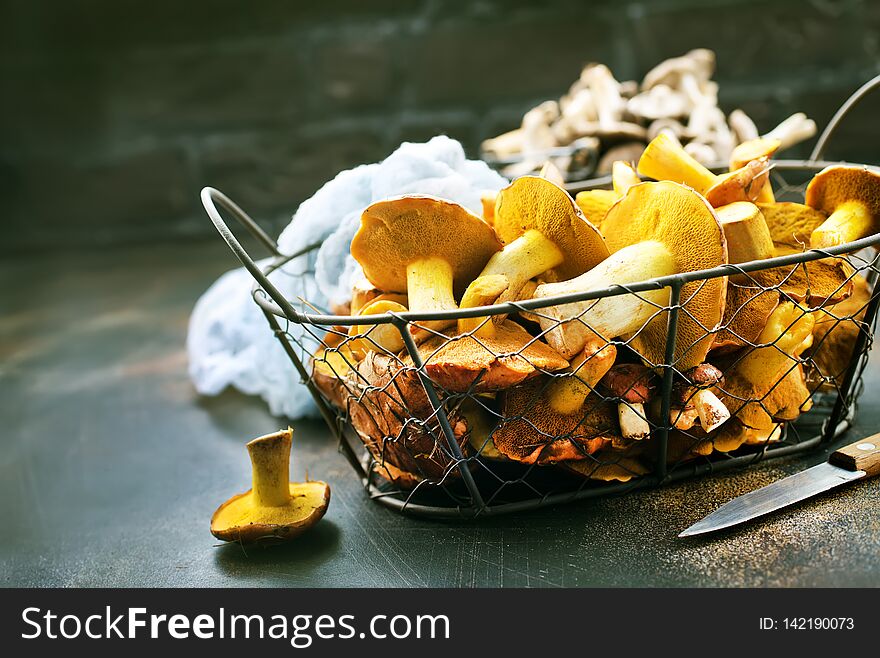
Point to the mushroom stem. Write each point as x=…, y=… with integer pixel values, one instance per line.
x=786, y=330
x=568, y=394
x=683, y=418
x=270, y=468
x=633, y=425
x=850, y=221
x=429, y=288
x=711, y=410
x=482, y=291
x=528, y=256
x=608, y=316
x=665, y=159
x=747, y=234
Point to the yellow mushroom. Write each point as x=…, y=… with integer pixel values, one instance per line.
x=542, y=229
x=751, y=150
x=665, y=159
x=275, y=509
x=657, y=229
x=791, y=224
x=850, y=196
x=383, y=337
x=425, y=247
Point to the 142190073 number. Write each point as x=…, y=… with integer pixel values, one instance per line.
x=818, y=623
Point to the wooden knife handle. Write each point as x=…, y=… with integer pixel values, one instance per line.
x=863, y=455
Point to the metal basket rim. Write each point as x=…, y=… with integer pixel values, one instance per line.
x=263, y=295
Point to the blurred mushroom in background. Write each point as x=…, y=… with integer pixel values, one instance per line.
x=601, y=120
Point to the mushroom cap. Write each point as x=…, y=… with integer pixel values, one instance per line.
x=532, y=432
x=631, y=382
x=838, y=184
x=607, y=466
x=815, y=283
x=704, y=375
x=397, y=231
x=595, y=203
x=685, y=223
x=745, y=313
x=240, y=519
x=534, y=203
x=791, y=223
x=394, y=418
x=488, y=363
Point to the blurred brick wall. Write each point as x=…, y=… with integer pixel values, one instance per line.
x=115, y=112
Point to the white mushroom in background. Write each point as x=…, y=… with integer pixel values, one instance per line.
x=599, y=116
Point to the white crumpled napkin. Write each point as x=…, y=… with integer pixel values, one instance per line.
x=229, y=342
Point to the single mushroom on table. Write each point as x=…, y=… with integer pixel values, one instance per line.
x=425, y=247
x=693, y=399
x=274, y=509
x=665, y=159
x=632, y=384
x=850, y=195
x=657, y=229
x=542, y=229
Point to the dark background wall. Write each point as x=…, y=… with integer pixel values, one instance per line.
x=114, y=113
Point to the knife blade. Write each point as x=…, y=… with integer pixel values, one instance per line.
x=853, y=462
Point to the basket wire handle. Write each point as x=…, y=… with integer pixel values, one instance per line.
x=210, y=197
x=841, y=114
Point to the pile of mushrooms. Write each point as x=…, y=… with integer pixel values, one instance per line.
x=577, y=384
x=601, y=121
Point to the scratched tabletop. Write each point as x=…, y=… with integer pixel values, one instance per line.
x=111, y=466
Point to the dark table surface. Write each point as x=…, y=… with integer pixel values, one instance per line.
x=111, y=466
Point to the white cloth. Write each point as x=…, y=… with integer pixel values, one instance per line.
x=229, y=342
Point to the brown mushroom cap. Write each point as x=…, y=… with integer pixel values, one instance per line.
x=394, y=418
x=682, y=220
x=494, y=362
x=631, y=382
x=263, y=514
x=535, y=203
x=608, y=465
x=534, y=433
x=791, y=223
x=398, y=231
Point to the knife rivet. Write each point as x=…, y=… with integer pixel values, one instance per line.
x=865, y=446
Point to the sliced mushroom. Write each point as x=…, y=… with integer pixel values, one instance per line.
x=657, y=229
x=850, y=196
x=274, y=510
x=424, y=246
x=542, y=229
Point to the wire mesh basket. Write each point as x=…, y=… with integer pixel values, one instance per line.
x=517, y=429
